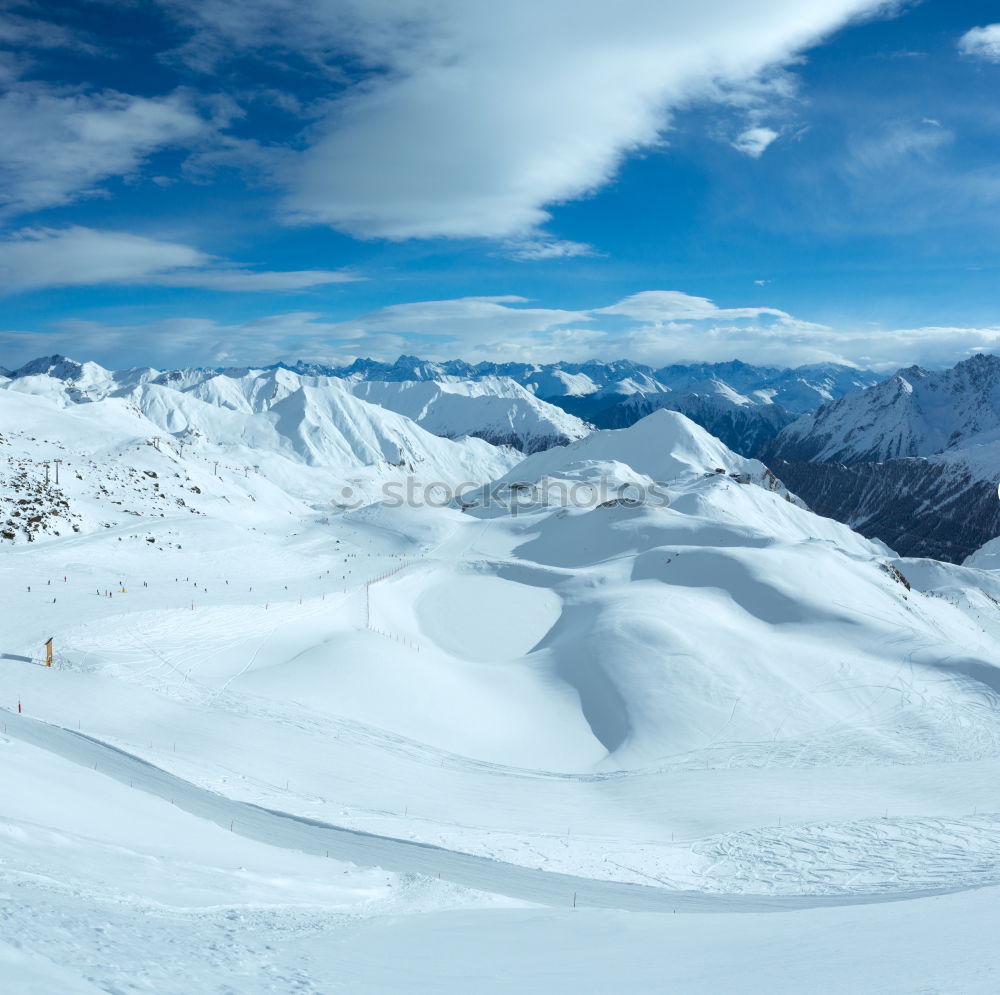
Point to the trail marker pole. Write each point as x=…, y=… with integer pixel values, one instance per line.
x=48, y=652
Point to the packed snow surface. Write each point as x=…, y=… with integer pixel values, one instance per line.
x=494, y=408
x=697, y=740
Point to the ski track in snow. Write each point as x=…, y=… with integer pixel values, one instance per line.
x=876, y=856
x=735, y=856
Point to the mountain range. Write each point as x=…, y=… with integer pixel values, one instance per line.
x=913, y=460
x=515, y=403
x=743, y=405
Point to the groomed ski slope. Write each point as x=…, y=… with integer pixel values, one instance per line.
x=138, y=895
x=141, y=896
x=308, y=836
x=724, y=705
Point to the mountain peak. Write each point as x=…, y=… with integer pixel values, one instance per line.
x=56, y=365
x=916, y=412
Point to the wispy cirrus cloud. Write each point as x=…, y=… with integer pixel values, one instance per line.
x=471, y=320
x=187, y=340
x=896, y=144
x=236, y=279
x=537, y=248
x=34, y=258
x=20, y=32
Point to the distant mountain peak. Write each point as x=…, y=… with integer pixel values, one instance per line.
x=56, y=365
x=915, y=412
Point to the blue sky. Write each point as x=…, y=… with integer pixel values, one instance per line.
x=207, y=181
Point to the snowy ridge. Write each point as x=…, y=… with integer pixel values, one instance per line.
x=987, y=557
x=275, y=412
x=496, y=409
x=742, y=423
x=799, y=389
x=664, y=446
x=745, y=406
x=912, y=460
x=153, y=452
x=527, y=406
x=914, y=413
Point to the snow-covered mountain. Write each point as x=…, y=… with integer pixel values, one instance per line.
x=797, y=390
x=625, y=465
x=744, y=405
x=314, y=446
x=528, y=406
x=606, y=383
x=496, y=409
x=743, y=423
x=914, y=413
x=269, y=716
x=987, y=557
x=546, y=380
x=914, y=460
x=80, y=382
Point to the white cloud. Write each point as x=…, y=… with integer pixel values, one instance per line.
x=772, y=96
x=504, y=328
x=26, y=32
x=655, y=327
x=46, y=257
x=982, y=43
x=57, y=145
x=475, y=117
x=234, y=279
x=185, y=341
x=792, y=343
x=754, y=141
x=656, y=306
x=531, y=249
x=466, y=320
x=895, y=144
x=73, y=257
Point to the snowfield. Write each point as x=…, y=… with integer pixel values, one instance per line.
x=700, y=741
